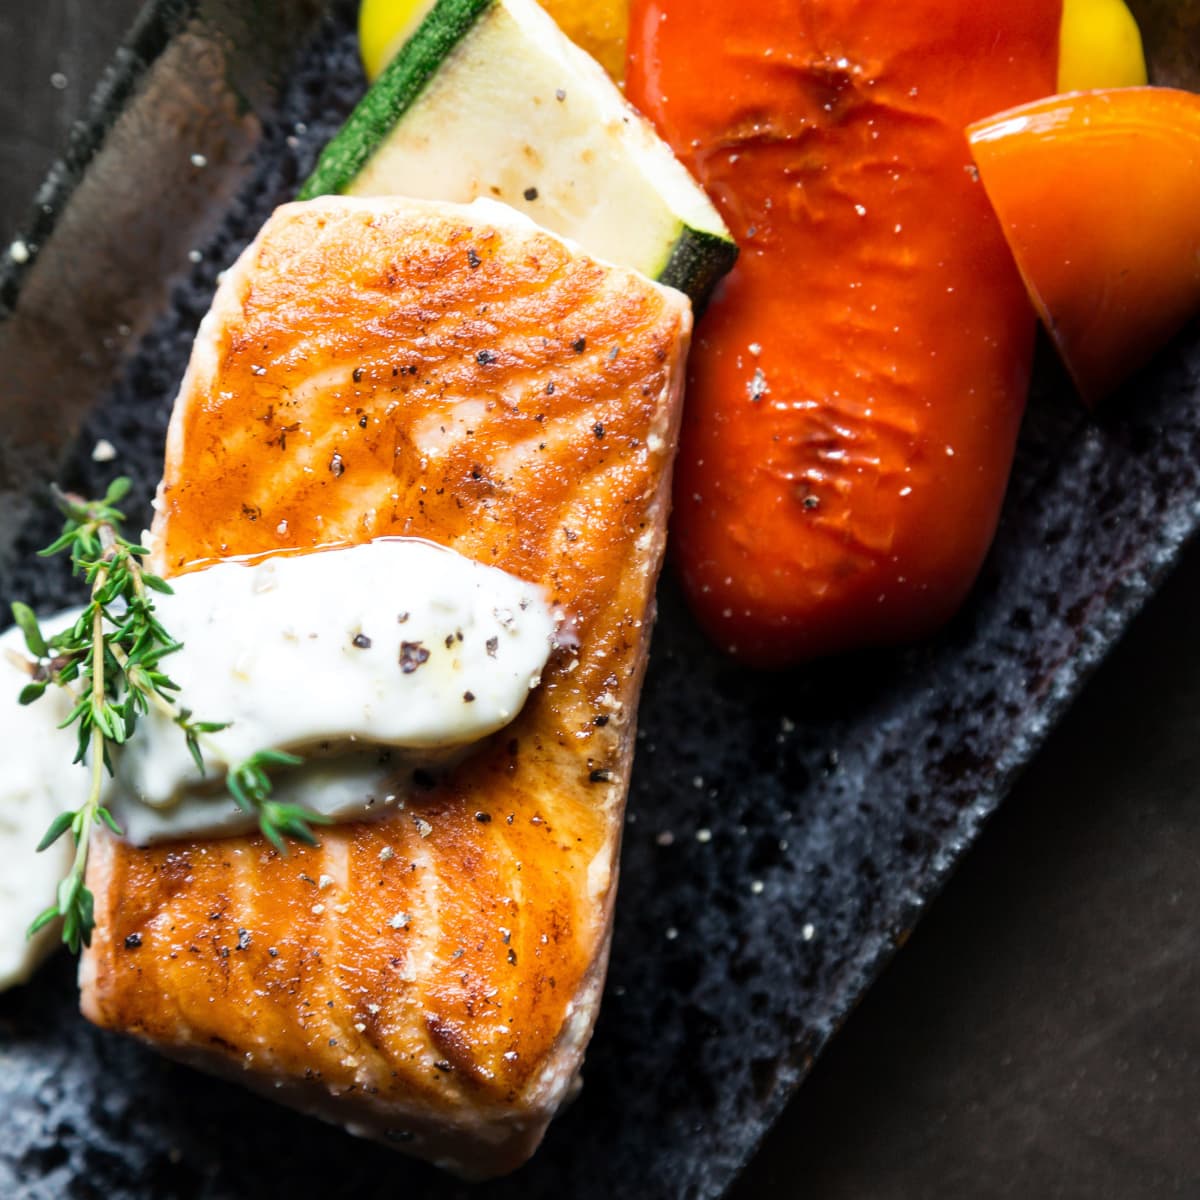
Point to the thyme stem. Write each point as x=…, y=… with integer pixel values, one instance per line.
x=115, y=652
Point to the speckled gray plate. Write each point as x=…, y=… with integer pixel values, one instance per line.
x=784, y=832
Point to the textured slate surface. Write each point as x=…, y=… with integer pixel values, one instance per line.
x=1039, y=1036
x=846, y=792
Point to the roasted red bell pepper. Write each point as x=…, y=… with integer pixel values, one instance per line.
x=1099, y=196
x=857, y=383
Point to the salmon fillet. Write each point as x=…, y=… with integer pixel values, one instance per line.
x=379, y=368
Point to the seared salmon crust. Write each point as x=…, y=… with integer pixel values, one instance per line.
x=392, y=367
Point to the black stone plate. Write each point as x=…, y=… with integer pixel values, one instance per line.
x=784, y=832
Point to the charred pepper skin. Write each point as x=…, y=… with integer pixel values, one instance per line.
x=857, y=382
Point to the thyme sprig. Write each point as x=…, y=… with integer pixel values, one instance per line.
x=110, y=660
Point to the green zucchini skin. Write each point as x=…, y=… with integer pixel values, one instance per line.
x=393, y=93
x=697, y=263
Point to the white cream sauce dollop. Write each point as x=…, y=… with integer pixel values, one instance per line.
x=395, y=643
x=370, y=662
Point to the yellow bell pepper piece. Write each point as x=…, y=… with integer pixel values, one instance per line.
x=1099, y=47
x=383, y=27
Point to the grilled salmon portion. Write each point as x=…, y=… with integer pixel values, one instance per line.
x=379, y=368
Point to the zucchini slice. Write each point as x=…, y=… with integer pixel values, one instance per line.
x=489, y=98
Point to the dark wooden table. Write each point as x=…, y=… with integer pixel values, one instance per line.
x=1039, y=1036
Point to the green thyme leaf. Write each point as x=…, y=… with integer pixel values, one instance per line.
x=58, y=827
x=27, y=622
x=42, y=920
x=118, y=490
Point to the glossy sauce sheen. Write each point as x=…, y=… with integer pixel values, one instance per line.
x=392, y=367
x=857, y=382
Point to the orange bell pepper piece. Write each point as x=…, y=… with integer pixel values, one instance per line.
x=1098, y=194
